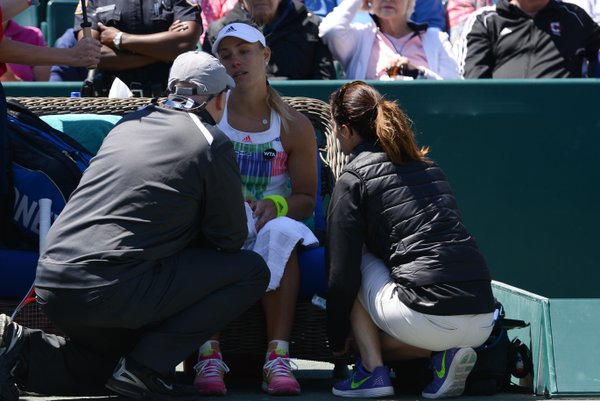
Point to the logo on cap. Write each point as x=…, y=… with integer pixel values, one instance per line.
x=230, y=29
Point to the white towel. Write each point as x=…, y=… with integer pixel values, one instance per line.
x=275, y=242
x=119, y=90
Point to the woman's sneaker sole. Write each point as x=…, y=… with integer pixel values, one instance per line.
x=365, y=393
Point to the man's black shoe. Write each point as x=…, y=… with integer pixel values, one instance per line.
x=11, y=342
x=132, y=380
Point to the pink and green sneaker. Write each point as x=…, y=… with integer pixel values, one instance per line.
x=278, y=378
x=210, y=370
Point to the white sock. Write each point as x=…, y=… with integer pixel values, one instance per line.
x=207, y=348
x=281, y=347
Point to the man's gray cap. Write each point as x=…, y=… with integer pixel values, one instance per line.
x=201, y=69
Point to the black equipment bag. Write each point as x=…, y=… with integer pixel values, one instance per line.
x=38, y=162
x=499, y=358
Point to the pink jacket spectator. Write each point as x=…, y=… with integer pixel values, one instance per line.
x=213, y=10
x=2, y=65
x=25, y=34
x=459, y=10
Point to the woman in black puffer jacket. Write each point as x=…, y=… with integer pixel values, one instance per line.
x=405, y=276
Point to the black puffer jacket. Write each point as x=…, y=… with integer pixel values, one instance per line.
x=407, y=216
x=297, y=52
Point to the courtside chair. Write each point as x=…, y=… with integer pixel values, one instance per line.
x=60, y=15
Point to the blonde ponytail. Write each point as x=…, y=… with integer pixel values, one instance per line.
x=280, y=106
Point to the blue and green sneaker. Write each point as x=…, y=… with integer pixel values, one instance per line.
x=363, y=384
x=450, y=371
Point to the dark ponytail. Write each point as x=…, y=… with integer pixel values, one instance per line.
x=374, y=118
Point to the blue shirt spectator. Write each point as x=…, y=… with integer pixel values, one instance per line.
x=320, y=7
x=430, y=12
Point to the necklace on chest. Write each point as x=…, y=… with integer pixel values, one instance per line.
x=255, y=120
x=247, y=126
x=402, y=42
x=245, y=114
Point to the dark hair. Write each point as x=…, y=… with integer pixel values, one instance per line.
x=374, y=118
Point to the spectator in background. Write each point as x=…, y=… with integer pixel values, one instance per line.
x=25, y=34
x=320, y=7
x=430, y=12
x=140, y=40
x=390, y=46
x=458, y=12
x=212, y=10
x=292, y=34
x=529, y=39
x=592, y=7
x=63, y=72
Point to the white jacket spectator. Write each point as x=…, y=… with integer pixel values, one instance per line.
x=352, y=43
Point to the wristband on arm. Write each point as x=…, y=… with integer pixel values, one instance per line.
x=280, y=204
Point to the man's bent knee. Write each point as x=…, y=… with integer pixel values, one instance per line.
x=259, y=270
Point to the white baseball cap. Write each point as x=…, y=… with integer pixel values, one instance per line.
x=202, y=70
x=239, y=30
